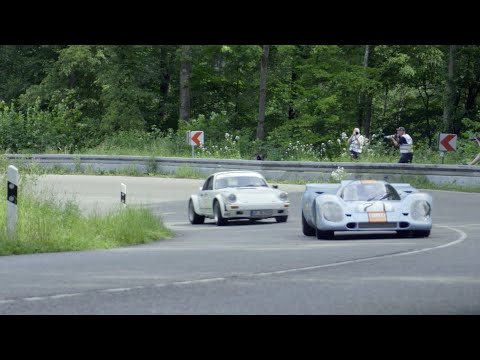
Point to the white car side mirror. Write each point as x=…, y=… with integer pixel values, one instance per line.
x=275, y=186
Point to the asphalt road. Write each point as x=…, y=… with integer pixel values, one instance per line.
x=243, y=268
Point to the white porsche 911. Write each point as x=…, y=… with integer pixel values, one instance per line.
x=365, y=205
x=231, y=195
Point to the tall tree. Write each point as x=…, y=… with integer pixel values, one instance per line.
x=365, y=99
x=467, y=81
x=448, y=108
x=185, y=69
x=263, y=93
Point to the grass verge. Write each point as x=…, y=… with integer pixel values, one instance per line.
x=46, y=225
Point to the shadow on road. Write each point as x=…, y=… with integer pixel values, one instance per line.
x=364, y=236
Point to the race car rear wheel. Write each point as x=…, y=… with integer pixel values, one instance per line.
x=307, y=229
x=193, y=216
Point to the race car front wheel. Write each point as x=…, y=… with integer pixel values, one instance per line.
x=307, y=229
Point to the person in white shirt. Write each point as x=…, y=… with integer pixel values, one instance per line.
x=356, y=142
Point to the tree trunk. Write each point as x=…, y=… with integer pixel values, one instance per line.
x=471, y=101
x=263, y=93
x=185, y=68
x=291, y=110
x=365, y=99
x=449, y=91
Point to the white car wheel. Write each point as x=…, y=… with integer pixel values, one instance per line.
x=217, y=213
x=193, y=216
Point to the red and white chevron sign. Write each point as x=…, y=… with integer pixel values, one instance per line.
x=447, y=142
x=195, y=137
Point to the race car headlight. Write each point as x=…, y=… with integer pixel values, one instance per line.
x=421, y=210
x=332, y=212
x=231, y=198
x=283, y=196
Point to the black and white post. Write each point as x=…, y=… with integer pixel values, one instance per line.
x=12, y=191
x=123, y=193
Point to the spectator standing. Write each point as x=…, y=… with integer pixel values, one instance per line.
x=356, y=142
x=405, y=143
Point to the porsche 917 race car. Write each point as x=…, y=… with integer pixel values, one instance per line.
x=231, y=195
x=365, y=205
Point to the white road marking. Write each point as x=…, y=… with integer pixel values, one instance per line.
x=60, y=296
x=117, y=290
x=462, y=237
x=6, y=301
x=198, y=281
x=35, y=298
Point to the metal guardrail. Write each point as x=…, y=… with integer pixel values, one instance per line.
x=460, y=175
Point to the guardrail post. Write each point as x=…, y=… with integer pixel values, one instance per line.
x=12, y=191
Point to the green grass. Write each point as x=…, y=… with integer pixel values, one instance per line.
x=47, y=225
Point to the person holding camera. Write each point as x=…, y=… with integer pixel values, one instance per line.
x=405, y=143
x=356, y=142
x=477, y=158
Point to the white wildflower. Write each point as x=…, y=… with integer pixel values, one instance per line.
x=339, y=174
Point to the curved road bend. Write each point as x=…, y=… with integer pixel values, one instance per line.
x=262, y=268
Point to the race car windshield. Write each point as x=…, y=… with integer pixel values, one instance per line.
x=240, y=181
x=369, y=192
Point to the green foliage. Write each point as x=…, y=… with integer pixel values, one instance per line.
x=84, y=98
x=37, y=130
x=215, y=125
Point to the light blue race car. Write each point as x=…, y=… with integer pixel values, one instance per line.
x=365, y=205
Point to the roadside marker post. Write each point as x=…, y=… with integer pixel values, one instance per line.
x=12, y=198
x=123, y=193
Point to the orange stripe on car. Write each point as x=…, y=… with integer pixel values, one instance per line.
x=368, y=181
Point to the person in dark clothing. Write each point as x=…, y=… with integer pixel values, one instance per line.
x=405, y=143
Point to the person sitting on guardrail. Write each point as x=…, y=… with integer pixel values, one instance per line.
x=477, y=158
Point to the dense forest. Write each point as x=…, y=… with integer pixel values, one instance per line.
x=73, y=97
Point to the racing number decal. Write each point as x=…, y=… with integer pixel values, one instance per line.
x=377, y=216
x=377, y=213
